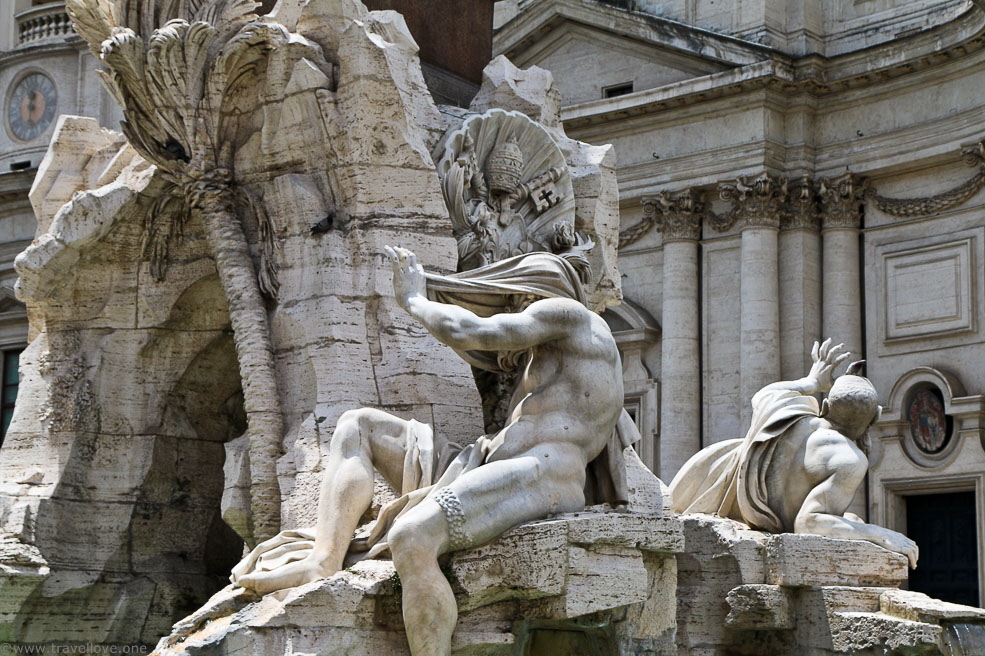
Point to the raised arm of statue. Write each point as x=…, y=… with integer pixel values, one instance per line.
x=821, y=376
x=461, y=329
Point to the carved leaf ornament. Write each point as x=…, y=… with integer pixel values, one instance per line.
x=188, y=74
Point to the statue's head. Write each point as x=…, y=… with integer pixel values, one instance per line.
x=852, y=405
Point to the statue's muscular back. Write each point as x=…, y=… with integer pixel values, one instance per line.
x=570, y=393
x=808, y=453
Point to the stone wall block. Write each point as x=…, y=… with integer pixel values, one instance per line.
x=604, y=577
x=527, y=562
x=638, y=531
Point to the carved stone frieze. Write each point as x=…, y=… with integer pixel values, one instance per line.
x=756, y=202
x=842, y=198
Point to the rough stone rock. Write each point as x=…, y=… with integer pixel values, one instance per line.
x=852, y=633
x=759, y=606
x=111, y=473
x=531, y=91
x=918, y=607
x=612, y=569
x=741, y=592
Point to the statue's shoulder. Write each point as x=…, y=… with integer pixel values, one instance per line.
x=834, y=444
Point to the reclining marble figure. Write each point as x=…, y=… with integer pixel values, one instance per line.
x=567, y=428
x=799, y=465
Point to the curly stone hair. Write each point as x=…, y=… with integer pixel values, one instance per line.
x=853, y=403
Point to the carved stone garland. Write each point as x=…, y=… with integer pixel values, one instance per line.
x=974, y=155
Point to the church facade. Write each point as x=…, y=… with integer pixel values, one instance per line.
x=790, y=172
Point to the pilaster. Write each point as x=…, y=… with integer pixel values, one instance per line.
x=800, y=278
x=841, y=220
x=757, y=207
x=679, y=218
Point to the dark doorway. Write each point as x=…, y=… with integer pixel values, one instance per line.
x=944, y=527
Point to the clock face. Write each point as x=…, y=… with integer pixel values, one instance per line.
x=32, y=106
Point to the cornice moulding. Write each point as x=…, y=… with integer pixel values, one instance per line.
x=540, y=19
x=813, y=74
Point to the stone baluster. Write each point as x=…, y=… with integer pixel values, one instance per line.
x=757, y=205
x=679, y=218
x=841, y=219
x=800, y=279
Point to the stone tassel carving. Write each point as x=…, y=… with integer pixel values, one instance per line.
x=188, y=76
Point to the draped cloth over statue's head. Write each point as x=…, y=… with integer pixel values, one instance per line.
x=488, y=290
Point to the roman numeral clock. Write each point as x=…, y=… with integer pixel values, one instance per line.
x=31, y=106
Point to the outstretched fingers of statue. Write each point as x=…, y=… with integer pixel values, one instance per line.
x=830, y=356
x=841, y=358
x=823, y=353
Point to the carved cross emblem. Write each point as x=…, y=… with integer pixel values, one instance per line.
x=546, y=197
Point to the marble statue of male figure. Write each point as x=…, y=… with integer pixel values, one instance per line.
x=563, y=415
x=799, y=465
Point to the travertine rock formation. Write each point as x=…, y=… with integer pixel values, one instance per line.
x=572, y=583
x=314, y=142
x=112, y=470
x=748, y=593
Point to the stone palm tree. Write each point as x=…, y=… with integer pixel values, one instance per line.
x=187, y=74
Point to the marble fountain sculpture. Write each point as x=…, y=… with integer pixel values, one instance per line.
x=225, y=348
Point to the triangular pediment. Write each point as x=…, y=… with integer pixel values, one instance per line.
x=591, y=47
x=9, y=302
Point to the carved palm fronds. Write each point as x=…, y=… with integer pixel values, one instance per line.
x=187, y=74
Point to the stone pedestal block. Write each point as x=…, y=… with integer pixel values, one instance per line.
x=596, y=575
x=809, y=560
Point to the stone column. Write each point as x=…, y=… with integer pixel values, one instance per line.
x=800, y=279
x=756, y=208
x=680, y=362
x=841, y=219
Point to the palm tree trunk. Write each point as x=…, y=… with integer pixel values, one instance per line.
x=251, y=334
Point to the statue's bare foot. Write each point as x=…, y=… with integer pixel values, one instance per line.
x=289, y=576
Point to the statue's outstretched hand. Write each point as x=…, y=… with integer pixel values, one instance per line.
x=408, y=275
x=826, y=359
x=903, y=545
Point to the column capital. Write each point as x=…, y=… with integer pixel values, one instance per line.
x=802, y=206
x=678, y=215
x=756, y=202
x=842, y=198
